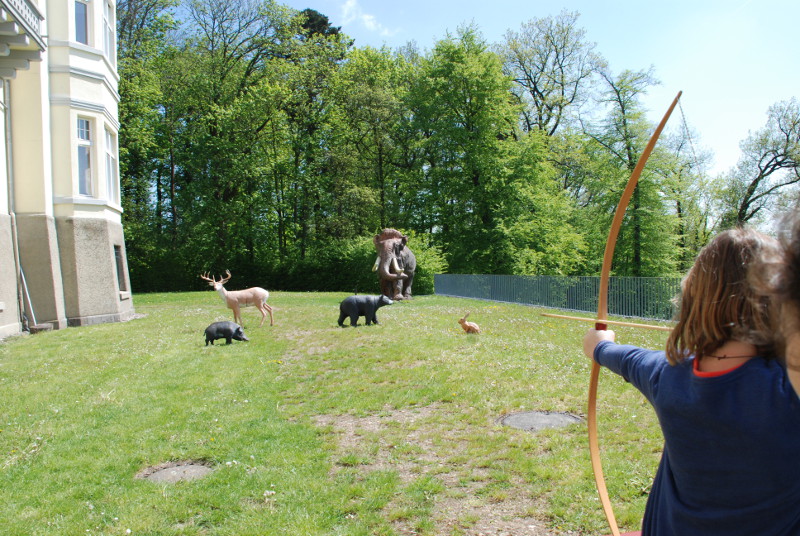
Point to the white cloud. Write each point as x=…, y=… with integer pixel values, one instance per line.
x=352, y=12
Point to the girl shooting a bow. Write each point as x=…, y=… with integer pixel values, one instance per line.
x=727, y=409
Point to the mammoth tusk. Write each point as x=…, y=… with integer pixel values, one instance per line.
x=396, y=266
x=377, y=262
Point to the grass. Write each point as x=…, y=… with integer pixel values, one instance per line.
x=313, y=429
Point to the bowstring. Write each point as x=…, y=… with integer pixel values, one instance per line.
x=691, y=142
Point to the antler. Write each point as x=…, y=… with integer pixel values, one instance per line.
x=223, y=281
x=602, y=315
x=205, y=277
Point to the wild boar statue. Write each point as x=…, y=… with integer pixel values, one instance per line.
x=225, y=330
x=366, y=306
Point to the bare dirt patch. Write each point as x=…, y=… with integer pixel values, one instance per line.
x=305, y=344
x=412, y=443
x=539, y=420
x=176, y=471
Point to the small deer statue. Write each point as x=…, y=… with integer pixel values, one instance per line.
x=469, y=327
x=235, y=299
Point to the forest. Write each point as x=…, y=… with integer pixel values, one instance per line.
x=260, y=139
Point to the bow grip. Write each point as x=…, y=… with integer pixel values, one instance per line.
x=600, y=326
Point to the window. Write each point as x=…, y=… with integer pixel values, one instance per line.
x=112, y=168
x=84, y=157
x=109, y=47
x=81, y=22
x=120, y=268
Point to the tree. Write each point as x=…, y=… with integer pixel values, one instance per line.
x=535, y=214
x=552, y=66
x=227, y=64
x=369, y=97
x=142, y=27
x=687, y=192
x=317, y=23
x=306, y=78
x=142, y=33
x=259, y=140
x=646, y=244
x=769, y=165
x=214, y=100
x=461, y=107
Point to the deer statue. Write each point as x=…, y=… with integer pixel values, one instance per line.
x=235, y=299
x=469, y=327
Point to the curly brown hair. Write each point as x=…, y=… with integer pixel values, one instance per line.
x=776, y=275
x=717, y=303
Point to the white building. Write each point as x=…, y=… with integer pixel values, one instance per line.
x=62, y=249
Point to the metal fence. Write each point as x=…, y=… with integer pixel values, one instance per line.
x=639, y=297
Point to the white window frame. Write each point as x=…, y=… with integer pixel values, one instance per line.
x=112, y=167
x=84, y=151
x=109, y=31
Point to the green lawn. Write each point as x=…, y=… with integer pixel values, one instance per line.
x=313, y=429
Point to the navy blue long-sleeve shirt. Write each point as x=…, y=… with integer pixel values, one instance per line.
x=731, y=460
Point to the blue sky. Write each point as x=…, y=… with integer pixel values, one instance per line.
x=731, y=58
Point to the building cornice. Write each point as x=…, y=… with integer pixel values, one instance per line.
x=86, y=49
x=86, y=74
x=87, y=201
x=87, y=106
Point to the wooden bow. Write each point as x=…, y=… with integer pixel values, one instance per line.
x=602, y=315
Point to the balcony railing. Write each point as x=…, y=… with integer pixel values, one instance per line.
x=21, y=40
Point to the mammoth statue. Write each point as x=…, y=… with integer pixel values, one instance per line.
x=395, y=264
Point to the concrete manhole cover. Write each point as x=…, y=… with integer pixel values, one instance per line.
x=538, y=420
x=176, y=471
